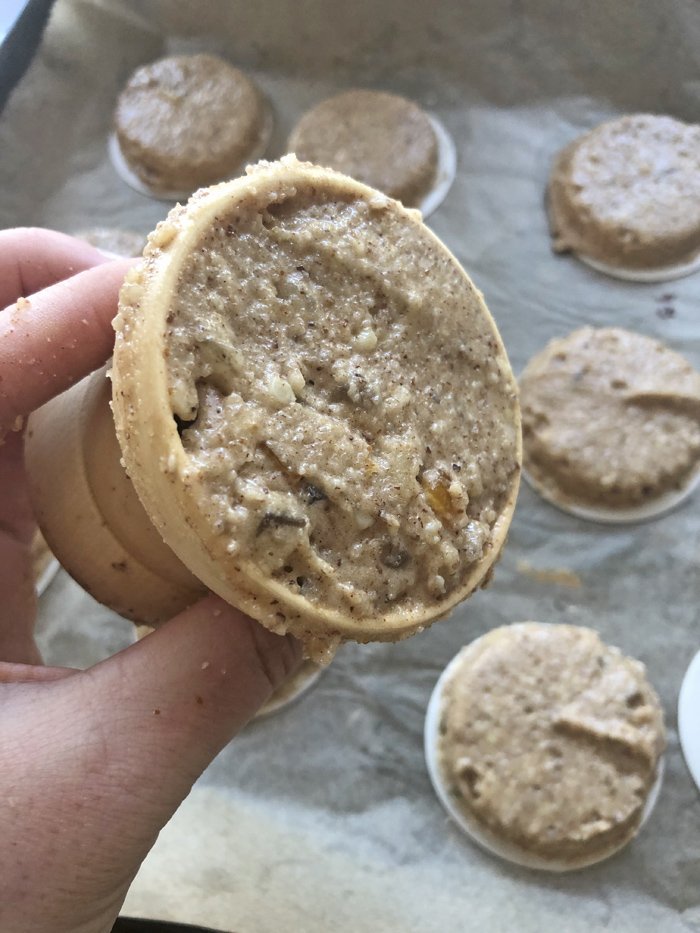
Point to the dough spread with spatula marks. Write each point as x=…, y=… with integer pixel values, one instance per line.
x=610, y=417
x=347, y=421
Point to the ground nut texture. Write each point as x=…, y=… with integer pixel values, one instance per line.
x=381, y=139
x=551, y=739
x=628, y=193
x=610, y=418
x=343, y=398
x=188, y=120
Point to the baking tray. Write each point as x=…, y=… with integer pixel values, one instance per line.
x=322, y=818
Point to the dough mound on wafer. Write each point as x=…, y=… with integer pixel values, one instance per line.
x=610, y=418
x=381, y=139
x=627, y=194
x=315, y=406
x=550, y=740
x=188, y=120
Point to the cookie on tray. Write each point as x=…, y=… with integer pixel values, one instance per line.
x=549, y=743
x=625, y=197
x=315, y=406
x=187, y=121
x=381, y=139
x=611, y=421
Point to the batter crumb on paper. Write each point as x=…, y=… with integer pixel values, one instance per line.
x=559, y=575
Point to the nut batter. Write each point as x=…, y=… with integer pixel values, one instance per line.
x=348, y=420
x=627, y=194
x=610, y=418
x=381, y=139
x=187, y=121
x=352, y=428
x=551, y=739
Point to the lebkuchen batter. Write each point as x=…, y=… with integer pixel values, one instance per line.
x=381, y=139
x=551, y=739
x=330, y=427
x=610, y=418
x=627, y=194
x=187, y=121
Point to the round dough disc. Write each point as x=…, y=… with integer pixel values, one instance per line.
x=625, y=198
x=315, y=407
x=381, y=139
x=611, y=425
x=481, y=834
x=186, y=121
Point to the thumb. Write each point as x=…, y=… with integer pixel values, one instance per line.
x=101, y=759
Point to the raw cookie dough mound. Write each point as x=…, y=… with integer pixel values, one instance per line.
x=126, y=243
x=627, y=194
x=187, y=121
x=315, y=406
x=381, y=139
x=550, y=740
x=610, y=418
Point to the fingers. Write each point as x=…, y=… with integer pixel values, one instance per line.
x=16, y=515
x=32, y=673
x=172, y=701
x=17, y=527
x=104, y=757
x=32, y=259
x=18, y=608
x=55, y=337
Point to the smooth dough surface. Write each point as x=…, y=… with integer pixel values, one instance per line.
x=348, y=421
x=551, y=739
x=627, y=193
x=380, y=139
x=610, y=417
x=187, y=121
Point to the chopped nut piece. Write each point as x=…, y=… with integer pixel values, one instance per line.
x=311, y=493
x=277, y=519
x=363, y=520
x=395, y=557
x=281, y=391
x=439, y=499
x=366, y=340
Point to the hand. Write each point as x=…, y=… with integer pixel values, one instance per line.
x=93, y=763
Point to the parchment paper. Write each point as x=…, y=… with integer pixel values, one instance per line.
x=322, y=818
